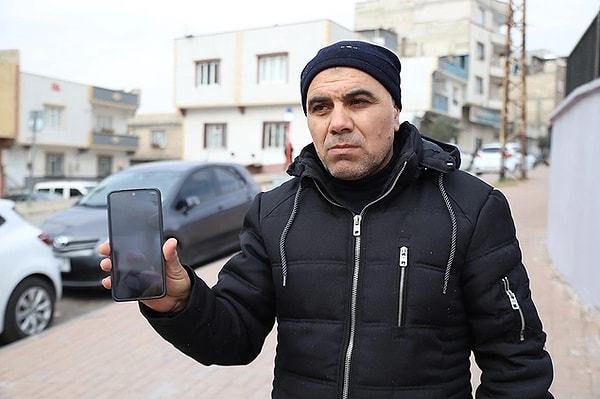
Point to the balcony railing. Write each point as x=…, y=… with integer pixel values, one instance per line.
x=121, y=142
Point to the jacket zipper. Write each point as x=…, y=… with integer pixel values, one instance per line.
x=403, y=264
x=514, y=304
x=356, y=231
x=348, y=358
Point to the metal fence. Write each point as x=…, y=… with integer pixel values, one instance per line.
x=583, y=64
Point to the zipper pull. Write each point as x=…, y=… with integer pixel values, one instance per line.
x=356, y=226
x=403, y=261
x=511, y=295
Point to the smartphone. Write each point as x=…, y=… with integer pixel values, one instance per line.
x=135, y=233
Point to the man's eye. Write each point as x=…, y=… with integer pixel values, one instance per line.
x=358, y=101
x=318, y=108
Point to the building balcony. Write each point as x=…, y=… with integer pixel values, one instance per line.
x=499, y=39
x=115, y=98
x=113, y=142
x=454, y=65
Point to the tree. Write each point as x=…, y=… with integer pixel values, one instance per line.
x=441, y=128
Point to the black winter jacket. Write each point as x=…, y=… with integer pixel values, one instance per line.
x=388, y=303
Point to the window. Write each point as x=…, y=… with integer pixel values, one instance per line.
x=229, y=180
x=104, y=124
x=158, y=139
x=53, y=116
x=55, y=164
x=480, y=51
x=480, y=16
x=274, y=135
x=215, y=135
x=104, y=165
x=272, y=68
x=199, y=185
x=207, y=73
x=478, y=85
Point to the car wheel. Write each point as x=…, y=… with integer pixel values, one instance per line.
x=30, y=309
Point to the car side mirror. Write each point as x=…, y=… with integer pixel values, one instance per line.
x=187, y=203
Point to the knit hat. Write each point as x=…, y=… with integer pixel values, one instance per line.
x=377, y=61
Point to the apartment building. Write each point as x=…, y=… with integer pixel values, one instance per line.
x=160, y=137
x=239, y=92
x=545, y=81
x=60, y=129
x=452, y=63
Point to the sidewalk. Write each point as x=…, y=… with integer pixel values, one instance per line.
x=113, y=353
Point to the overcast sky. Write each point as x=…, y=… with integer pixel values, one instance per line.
x=128, y=44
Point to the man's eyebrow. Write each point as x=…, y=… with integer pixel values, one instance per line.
x=349, y=95
x=316, y=100
x=360, y=92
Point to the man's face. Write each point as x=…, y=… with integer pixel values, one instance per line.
x=352, y=119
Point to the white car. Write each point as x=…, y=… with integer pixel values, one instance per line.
x=30, y=284
x=487, y=159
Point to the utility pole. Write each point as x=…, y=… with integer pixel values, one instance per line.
x=514, y=110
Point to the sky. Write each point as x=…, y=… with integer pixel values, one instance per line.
x=128, y=44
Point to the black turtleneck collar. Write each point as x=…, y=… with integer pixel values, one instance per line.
x=356, y=194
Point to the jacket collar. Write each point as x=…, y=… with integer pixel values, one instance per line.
x=419, y=152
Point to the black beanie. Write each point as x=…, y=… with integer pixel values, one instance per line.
x=377, y=61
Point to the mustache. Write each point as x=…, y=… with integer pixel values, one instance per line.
x=342, y=142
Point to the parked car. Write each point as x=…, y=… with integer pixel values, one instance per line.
x=203, y=207
x=65, y=189
x=466, y=160
x=487, y=158
x=30, y=284
x=39, y=196
x=530, y=159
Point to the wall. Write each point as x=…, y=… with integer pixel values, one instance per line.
x=574, y=195
x=37, y=91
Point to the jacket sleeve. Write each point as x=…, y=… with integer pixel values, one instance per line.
x=505, y=330
x=228, y=323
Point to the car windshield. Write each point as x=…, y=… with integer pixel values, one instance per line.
x=163, y=180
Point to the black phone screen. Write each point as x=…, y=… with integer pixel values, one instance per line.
x=135, y=229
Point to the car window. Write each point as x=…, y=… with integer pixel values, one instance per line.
x=2, y=220
x=229, y=180
x=199, y=184
x=75, y=192
x=163, y=180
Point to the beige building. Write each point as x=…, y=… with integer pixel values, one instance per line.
x=9, y=105
x=160, y=137
x=545, y=90
x=465, y=39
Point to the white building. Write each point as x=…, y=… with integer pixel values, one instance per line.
x=240, y=91
x=81, y=132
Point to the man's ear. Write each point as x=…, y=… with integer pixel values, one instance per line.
x=396, y=117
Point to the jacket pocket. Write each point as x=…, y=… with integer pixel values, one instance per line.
x=516, y=307
x=403, y=265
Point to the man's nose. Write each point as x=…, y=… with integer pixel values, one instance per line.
x=341, y=120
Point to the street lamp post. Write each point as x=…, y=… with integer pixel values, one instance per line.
x=36, y=124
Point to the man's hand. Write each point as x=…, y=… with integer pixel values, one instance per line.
x=178, y=281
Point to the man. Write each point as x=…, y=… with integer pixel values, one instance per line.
x=383, y=264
